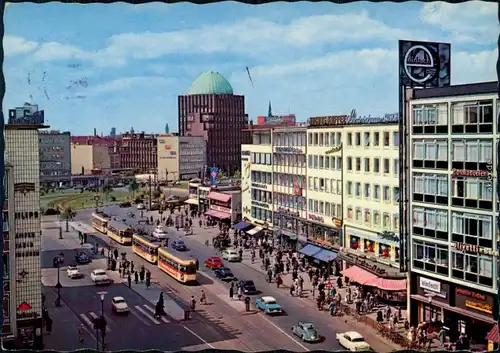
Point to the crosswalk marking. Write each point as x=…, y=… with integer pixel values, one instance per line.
x=153, y=312
x=95, y=316
x=143, y=312
x=87, y=321
x=143, y=320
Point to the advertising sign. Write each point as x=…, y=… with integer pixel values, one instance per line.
x=468, y=299
x=213, y=175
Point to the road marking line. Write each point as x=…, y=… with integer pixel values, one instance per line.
x=153, y=312
x=143, y=320
x=87, y=321
x=286, y=334
x=143, y=312
x=95, y=316
x=198, y=336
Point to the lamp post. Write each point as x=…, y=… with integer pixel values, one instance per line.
x=58, y=285
x=103, y=321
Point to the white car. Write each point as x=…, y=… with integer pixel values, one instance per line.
x=73, y=272
x=99, y=277
x=160, y=233
x=140, y=206
x=231, y=255
x=119, y=305
x=353, y=341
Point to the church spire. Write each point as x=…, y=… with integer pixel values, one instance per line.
x=269, y=111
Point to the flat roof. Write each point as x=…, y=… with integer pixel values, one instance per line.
x=148, y=238
x=457, y=90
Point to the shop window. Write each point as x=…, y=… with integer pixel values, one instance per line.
x=384, y=251
x=369, y=246
x=354, y=243
x=472, y=229
x=430, y=257
x=430, y=223
x=472, y=268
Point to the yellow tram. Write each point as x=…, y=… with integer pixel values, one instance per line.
x=179, y=265
x=146, y=246
x=100, y=222
x=120, y=232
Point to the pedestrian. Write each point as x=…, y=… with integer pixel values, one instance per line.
x=292, y=289
x=132, y=266
x=332, y=307
x=120, y=271
x=231, y=292
x=136, y=277
x=129, y=280
x=240, y=292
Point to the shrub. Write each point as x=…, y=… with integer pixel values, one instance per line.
x=113, y=198
x=51, y=212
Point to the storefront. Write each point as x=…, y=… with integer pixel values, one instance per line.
x=324, y=231
x=220, y=207
x=291, y=230
x=460, y=309
x=384, y=245
x=203, y=203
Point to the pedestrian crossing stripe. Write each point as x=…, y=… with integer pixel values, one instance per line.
x=143, y=312
x=153, y=312
x=95, y=316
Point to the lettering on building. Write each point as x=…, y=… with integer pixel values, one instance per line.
x=284, y=211
x=430, y=285
x=261, y=186
x=469, y=173
x=287, y=150
x=316, y=218
x=334, y=149
x=476, y=249
x=26, y=215
x=260, y=204
x=24, y=188
x=245, y=153
x=331, y=120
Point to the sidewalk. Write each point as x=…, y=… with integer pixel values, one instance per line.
x=50, y=236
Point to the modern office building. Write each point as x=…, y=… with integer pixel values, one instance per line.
x=454, y=133
x=139, y=151
x=22, y=145
x=212, y=110
x=55, y=158
x=180, y=157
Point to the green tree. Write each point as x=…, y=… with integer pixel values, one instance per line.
x=221, y=174
x=133, y=187
x=107, y=189
x=67, y=214
x=237, y=174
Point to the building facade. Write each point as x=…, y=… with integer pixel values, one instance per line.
x=89, y=157
x=55, y=158
x=139, y=151
x=454, y=135
x=180, y=157
x=212, y=110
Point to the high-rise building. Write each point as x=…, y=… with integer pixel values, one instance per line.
x=212, y=110
x=55, y=158
x=113, y=132
x=22, y=145
x=453, y=208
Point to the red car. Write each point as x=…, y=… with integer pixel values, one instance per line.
x=214, y=262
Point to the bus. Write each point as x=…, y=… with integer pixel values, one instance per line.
x=146, y=246
x=100, y=222
x=181, y=266
x=120, y=232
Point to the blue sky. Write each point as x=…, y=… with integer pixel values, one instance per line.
x=99, y=66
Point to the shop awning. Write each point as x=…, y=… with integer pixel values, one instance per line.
x=388, y=284
x=325, y=255
x=493, y=334
x=358, y=275
x=310, y=250
x=242, y=225
x=191, y=201
x=217, y=196
x=254, y=231
x=217, y=214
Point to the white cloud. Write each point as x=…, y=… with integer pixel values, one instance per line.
x=127, y=83
x=468, y=22
x=474, y=67
x=14, y=45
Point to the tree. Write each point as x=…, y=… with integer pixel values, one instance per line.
x=237, y=174
x=221, y=174
x=67, y=214
x=133, y=187
x=107, y=189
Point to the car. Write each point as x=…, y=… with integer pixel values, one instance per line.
x=82, y=258
x=214, y=262
x=73, y=272
x=306, y=331
x=160, y=233
x=231, y=255
x=119, y=305
x=224, y=274
x=140, y=206
x=125, y=204
x=179, y=245
x=268, y=304
x=248, y=286
x=99, y=277
x=353, y=341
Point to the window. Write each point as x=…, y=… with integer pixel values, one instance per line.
x=387, y=166
x=316, y=139
x=367, y=164
x=376, y=139
x=469, y=228
x=358, y=189
x=358, y=139
x=310, y=183
x=387, y=140
x=376, y=192
x=395, y=139
x=376, y=218
x=327, y=185
x=395, y=164
x=366, y=138
x=367, y=191
x=358, y=164
x=472, y=192
x=472, y=117
x=358, y=214
x=321, y=184
x=432, y=223
x=376, y=165
x=332, y=139
x=386, y=221
x=395, y=194
x=471, y=154
x=430, y=257
x=430, y=120
x=316, y=162
x=387, y=193
x=430, y=188
x=472, y=267
x=338, y=139
x=349, y=188
x=309, y=139
x=321, y=139
x=349, y=212
x=349, y=139
x=339, y=163
x=368, y=217
x=327, y=162
x=430, y=154
x=321, y=162
x=349, y=163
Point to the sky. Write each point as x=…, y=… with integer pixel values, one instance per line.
x=121, y=65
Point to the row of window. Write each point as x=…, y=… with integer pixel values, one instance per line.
x=375, y=219
x=467, y=150
x=262, y=214
x=373, y=165
x=261, y=177
x=291, y=139
x=328, y=139
x=290, y=180
x=333, y=186
x=324, y=162
x=290, y=201
x=373, y=192
x=328, y=209
x=261, y=158
x=262, y=196
x=367, y=139
x=289, y=159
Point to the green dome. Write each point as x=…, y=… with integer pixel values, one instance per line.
x=211, y=82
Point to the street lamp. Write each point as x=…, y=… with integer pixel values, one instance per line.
x=58, y=285
x=103, y=327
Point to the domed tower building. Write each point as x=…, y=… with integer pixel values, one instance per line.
x=212, y=110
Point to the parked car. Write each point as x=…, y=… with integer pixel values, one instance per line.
x=248, y=286
x=214, y=262
x=140, y=206
x=99, y=277
x=306, y=331
x=82, y=258
x=73, y=272
x=125, y=204
x=353, y=341
x=179, y=245
x=119, y=305
x=231, y=255
x=268, y=304
x=224, y=274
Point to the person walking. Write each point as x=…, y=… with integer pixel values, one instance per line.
x=231, y=292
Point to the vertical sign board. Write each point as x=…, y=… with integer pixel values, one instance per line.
x=213, y=175
x=421, y=65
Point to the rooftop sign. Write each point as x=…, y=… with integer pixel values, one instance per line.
x=345, y=120
x=35, y=118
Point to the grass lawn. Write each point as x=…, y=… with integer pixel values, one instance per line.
x=77, y=200
x=182, y=185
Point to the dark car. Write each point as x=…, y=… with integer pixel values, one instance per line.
x=82, y=258
x=125, y=204
x=179, y=245
x=224, y=274
x=248, y=286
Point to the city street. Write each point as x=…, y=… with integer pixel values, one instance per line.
x=295, y=309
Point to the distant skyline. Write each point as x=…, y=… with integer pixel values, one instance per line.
x=120, y=65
